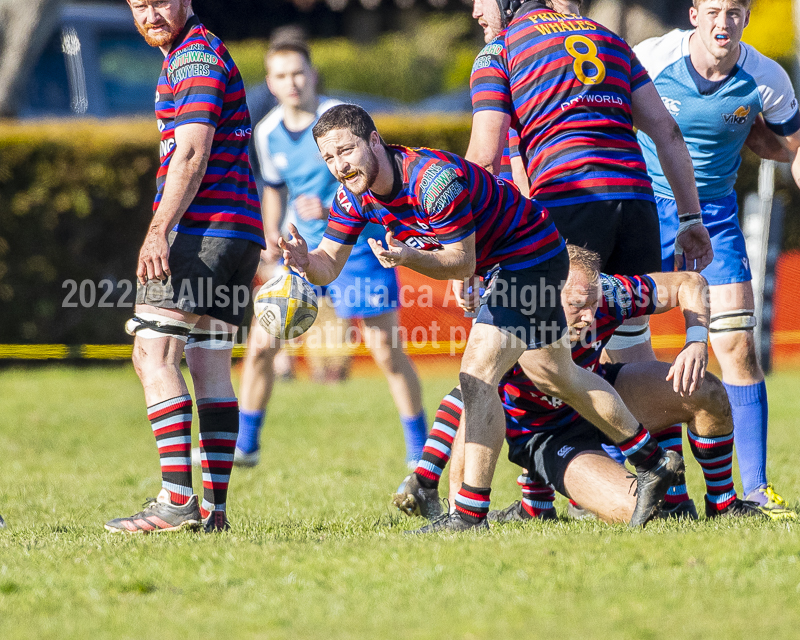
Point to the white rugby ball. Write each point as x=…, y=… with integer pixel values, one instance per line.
x=286, y=306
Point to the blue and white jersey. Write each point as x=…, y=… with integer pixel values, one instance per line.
x=715, y=117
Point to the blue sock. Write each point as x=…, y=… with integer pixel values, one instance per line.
x=415, y=430
x=250, y=423
x=749, y=407
x=614, y=453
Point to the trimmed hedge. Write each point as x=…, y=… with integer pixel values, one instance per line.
x=75, y=202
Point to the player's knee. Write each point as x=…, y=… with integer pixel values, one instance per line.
x=471, y=385
x=713, y=397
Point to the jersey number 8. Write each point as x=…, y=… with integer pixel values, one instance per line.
x=587, y=57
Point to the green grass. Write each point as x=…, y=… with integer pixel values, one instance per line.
x=317, y=553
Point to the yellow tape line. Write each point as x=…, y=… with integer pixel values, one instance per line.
x=123, y=351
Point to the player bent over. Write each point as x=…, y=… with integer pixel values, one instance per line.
x=201, y=250
x=715, y=87
x=553, y=442
x=450, y=219
x=293, y=171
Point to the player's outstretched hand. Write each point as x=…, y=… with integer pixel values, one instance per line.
x=694, y=244
x=393, y=255
x=153, y=258
x=295, y=251
x=689, y=369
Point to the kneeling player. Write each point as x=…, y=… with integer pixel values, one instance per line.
x=553, y=441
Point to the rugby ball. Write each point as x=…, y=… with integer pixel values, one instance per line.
x=286, y=306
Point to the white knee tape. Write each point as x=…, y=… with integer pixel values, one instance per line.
x=152, y=325
x=738, y=320
x=629, y=336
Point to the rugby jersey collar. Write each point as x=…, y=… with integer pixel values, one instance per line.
x=191, y=23
x=396, y=160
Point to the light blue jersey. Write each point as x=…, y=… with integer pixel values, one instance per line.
x=714, y=117
x=292, y=159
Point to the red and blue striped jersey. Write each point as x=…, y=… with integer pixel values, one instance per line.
x=567, y=83
x=200, y=83
x=510, y=152
x=439, y=198
x=530, y=411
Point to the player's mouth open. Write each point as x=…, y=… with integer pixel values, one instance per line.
x=721, y=38
x=349, y=176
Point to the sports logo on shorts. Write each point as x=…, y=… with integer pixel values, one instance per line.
x=563, y=451
x=737, y=117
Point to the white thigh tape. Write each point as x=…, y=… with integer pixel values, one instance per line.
x=629, y=336
x=210, y=339
x=152, y=325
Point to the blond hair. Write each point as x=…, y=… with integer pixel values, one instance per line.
x=584, y=260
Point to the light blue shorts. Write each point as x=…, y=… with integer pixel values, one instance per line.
x=721, y=218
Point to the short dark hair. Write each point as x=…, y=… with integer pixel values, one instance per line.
x=288, y=46
x=345, y=116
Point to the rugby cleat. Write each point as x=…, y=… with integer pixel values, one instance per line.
x=736, y=509
x=240, y=458
x=415, y=500
x=216, y=521
x=451, y=523
x=516, y=513
x=685, y=509
x=577, y=512
x=652, y=485
x=159, y=515
x=769, y=501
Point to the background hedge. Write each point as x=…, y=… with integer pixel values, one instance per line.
x=75, y=202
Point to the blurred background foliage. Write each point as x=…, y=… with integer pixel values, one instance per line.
x=434, y=58
x=76, y=198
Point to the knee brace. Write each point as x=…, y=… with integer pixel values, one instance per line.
x=738, y=320
x=152, y=325
x=210, y=339
x=629, y=336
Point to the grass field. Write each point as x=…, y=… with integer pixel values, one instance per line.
x=316, y=552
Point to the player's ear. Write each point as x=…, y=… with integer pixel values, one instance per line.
x=746, y=18
x=693, y=16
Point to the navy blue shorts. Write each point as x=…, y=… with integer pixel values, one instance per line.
x=527, y=303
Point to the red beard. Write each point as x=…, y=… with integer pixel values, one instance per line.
x=172, y=29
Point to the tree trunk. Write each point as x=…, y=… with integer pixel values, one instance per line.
x=24, y=28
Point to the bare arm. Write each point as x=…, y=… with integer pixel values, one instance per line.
x=651, y=116
x=687, y=291
x=455, y=261
x=187, y=167
x=766, y=144
x=792, y=144
x=520, y=176
x=320, y=266
x=488, y=139
x=273, y=205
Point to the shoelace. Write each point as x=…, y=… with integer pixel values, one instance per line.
x=774, y=497
x=634, y=486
